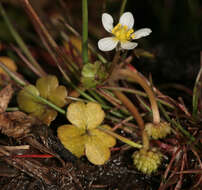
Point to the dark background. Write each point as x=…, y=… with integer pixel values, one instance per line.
x=176, y=38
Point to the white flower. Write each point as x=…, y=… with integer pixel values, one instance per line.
x=122, y=32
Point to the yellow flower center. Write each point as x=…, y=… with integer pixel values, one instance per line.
x=122, y=33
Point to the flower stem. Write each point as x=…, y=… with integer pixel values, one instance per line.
x=140, y=80
x=114, y=62
x=123, y=5
x=123, y=139
x=130, y=106
x=85, y=31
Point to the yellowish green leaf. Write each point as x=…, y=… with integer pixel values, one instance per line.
x=95, y=151
x=26, y=101
x=67, y=131
x=94, y=115
x=47, y=84
x=76, y=114
x=58, y=96
x=8, y=62
x=73, y=139
x=107, y=140
x=45, y=115
x=48, y=116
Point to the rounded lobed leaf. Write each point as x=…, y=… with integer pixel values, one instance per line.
x=89, y=82
x=89, y=70
x=46, y=85
x=26, y=101
x=76, y=114
x=106, y=139
x=58, y=96
x=95, y=151
x=72, y=139
x=94, y=115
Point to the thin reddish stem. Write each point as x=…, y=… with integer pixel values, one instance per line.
x=34, y=156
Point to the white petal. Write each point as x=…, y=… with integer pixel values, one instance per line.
x=142, y=33
x=107, y=44
x=127, y=19
x=128, y=45
x=107, y=22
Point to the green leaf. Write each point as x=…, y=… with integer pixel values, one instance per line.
x=29, y=103
x=47, y=84
x=89, y=82
x=89, y=70
x=93, y=74
x=26, y=101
